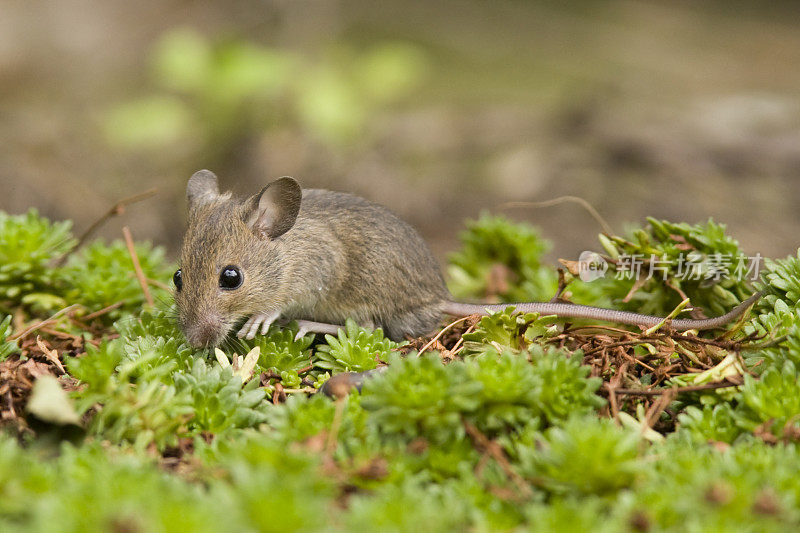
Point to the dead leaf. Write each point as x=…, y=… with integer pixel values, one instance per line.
x=50, y=354
x=49, y=402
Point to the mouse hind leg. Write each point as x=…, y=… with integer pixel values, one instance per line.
x=414, y=323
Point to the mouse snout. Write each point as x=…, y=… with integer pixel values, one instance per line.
x=206, y=330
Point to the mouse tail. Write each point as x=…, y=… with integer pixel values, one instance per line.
x=567, y=310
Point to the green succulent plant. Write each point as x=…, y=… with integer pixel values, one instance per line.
x=778, y=315
x=585, y=455
x=29, y=245
x=700, y=260
x=137, y=401
x=280, y=352
x=508, y=329
x=501, y=260
x=354, y=350
x=6, y=348
x=515, y=390
x=419, y=397
x=507, y=434
x=219, y=401
x=102, y=274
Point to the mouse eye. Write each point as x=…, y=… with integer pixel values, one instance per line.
x=177, y=279
x=230, y=278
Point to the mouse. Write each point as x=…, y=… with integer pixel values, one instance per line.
x=320, y=257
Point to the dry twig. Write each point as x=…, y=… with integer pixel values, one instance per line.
x=438, y=335
x=137, y=266
x=116, y=210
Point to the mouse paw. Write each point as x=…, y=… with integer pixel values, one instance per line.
x=259, y=320
x=308, y=326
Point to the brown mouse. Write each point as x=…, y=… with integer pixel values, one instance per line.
x=321, y=257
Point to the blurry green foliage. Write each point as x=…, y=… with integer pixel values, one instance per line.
x=212, y=93
x=698, y=488
x=572, y=513
x=94, y=488
x=390, y=509
x=149, y=122
x=585, y=455
x=6, y=348
x=29, y=244
x=270, y=487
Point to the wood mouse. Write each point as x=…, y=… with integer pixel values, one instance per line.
x=321, y=257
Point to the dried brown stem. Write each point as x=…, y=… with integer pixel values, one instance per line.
x=564, y=199
x=333, y=434
x=29, y=330
x=116, y=210
x=439, y=335
x=137, y=266
x=492, y=448
x=677, y=390
x=103, y=311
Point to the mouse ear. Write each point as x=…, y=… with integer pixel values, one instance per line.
x=273, y=211
x=202, y=188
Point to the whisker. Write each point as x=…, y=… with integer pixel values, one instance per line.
x=164, y=301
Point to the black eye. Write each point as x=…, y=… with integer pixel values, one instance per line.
x=230, y=278
x=177, y=279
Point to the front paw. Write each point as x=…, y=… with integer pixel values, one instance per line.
x=259, y=320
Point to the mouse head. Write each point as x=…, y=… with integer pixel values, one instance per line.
x=231, y=263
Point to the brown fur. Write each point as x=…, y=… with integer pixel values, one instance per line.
x=344, y=257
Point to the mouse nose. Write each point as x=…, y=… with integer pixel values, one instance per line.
x=206, y=331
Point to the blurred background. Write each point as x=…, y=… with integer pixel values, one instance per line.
x=680, y=110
